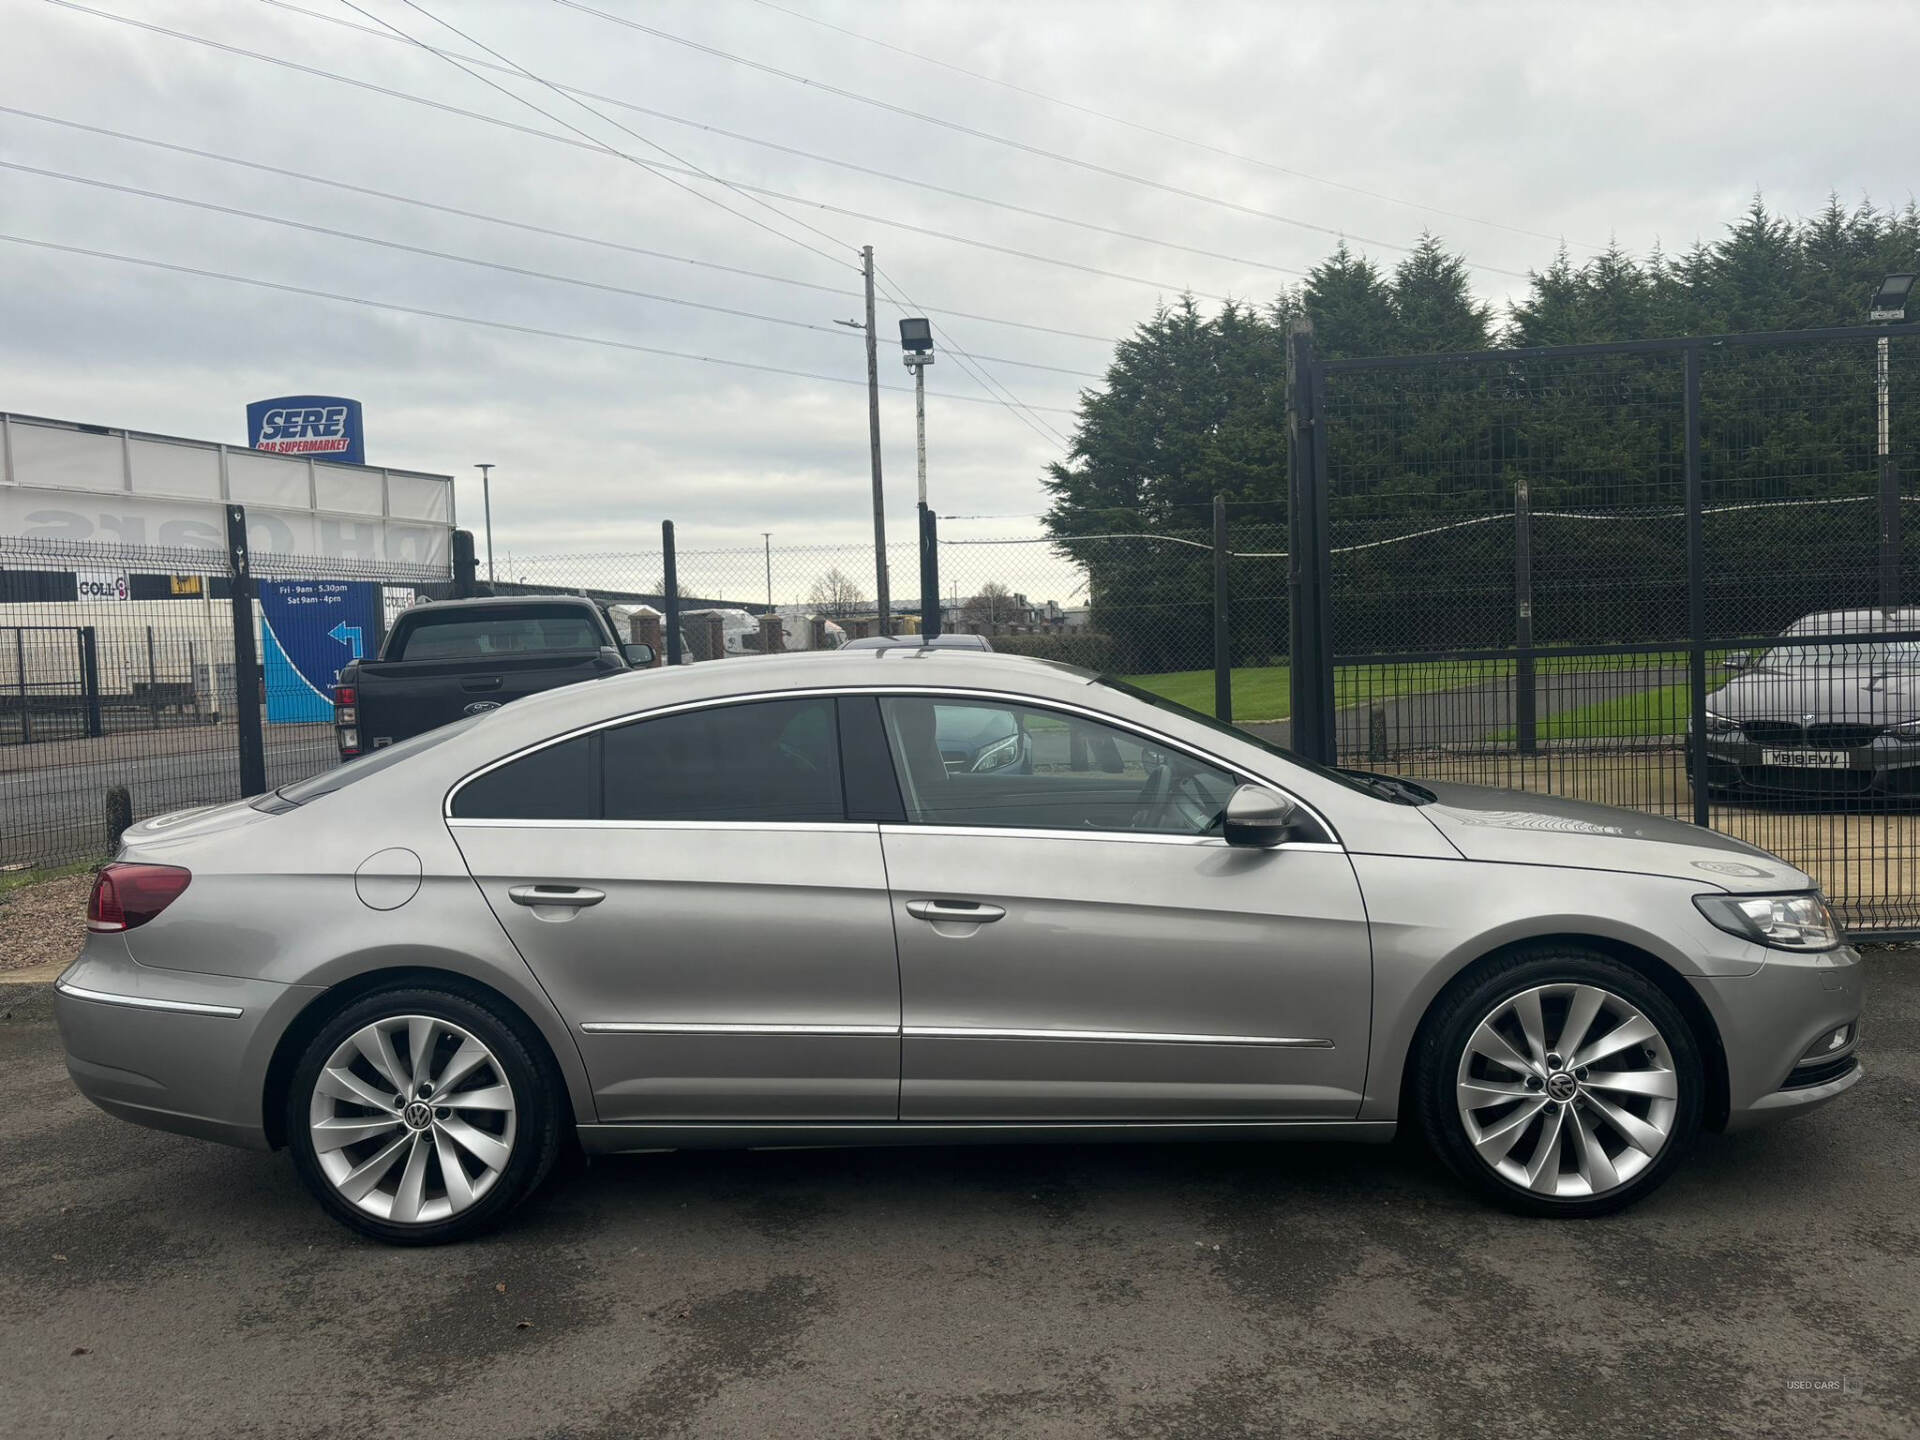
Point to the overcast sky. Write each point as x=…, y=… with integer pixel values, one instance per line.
x=1653, y=124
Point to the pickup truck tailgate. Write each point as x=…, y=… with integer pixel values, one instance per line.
x=398, y=698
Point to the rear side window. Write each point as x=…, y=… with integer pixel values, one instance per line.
x=551, y=784
x=495, y=632
x=771, y=760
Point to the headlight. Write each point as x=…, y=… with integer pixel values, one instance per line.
x=1786, y=922
x=1721, y=725
x=998, y=755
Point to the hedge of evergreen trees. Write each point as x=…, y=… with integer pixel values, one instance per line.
x=1194, y=406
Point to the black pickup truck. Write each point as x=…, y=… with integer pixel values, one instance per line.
x=452, y=658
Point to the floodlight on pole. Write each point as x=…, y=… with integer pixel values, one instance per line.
x=486, y=505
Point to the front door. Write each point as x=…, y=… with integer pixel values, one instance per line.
x=1077, y=944
x=689, y=891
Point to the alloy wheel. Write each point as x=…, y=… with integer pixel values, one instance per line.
x=1567, y=1090
x=412, y=1119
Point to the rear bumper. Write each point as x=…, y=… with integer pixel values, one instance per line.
x=172, y=1049
x=1770, y=1019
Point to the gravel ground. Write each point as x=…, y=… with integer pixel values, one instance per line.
x=159, y=1286
x=43, y=922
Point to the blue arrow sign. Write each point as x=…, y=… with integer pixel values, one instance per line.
x=348, y=635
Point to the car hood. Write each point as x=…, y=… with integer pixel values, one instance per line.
x=1850, y=693
x=1513, y=827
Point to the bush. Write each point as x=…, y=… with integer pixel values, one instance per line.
x=1084, y=648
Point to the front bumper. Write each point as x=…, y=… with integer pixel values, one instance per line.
x=1770, y=1019
x=1883, y=767
x=172, y=1049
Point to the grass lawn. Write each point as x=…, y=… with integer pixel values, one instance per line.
x=1260, y=693
x=1646, y=713
x=11, y=880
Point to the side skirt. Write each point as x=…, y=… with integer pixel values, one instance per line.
x=616, y=1139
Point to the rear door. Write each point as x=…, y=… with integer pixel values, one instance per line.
x=690, y=892
x=1077, y=943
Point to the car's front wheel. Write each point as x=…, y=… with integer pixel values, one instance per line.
x=1560, y=1082
x=420, y=1116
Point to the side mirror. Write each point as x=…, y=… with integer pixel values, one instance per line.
x=1259, y=818
x=640, y=657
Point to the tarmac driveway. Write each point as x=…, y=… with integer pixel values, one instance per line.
x=158, y=1286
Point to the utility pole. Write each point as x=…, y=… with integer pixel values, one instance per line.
x=885, y=623
x=767, y=536
x=486, y=504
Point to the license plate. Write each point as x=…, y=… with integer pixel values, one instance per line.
x=1806, y=759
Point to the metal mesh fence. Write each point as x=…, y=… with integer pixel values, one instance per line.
x=117, y=669
x=1523, y=585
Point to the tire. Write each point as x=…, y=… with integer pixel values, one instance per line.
x=1559, y=1139
x=377, y=1155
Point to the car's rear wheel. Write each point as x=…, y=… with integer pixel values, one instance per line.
x=420, y=1116
x=1560, y=1082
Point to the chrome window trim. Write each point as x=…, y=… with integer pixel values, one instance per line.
x=1125, y=837
x=829, y=692
x=147, y=1002
x=1129, y=1037
x=462, y=822
x=692, y=1027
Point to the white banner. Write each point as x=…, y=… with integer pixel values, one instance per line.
x=102, y=584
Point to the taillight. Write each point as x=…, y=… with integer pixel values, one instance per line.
x=126, y=895
x=346, y=718
x=344, y=695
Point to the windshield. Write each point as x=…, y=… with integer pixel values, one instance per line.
x=328, y=781
x=1881, y=654
x=1354, y=780
x=494, y=631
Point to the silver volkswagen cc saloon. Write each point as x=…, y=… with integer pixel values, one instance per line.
x=752, y=903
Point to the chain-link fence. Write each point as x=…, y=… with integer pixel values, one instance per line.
x=1668, y=576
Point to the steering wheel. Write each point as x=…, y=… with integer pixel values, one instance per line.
x=1174, y=802
x=1152, y=799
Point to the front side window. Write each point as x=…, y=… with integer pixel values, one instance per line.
x=996, y=763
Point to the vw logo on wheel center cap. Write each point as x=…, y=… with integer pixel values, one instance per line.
x=418, y=1115
x=1562, y=1086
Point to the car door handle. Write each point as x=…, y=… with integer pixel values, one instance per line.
x=971, y=912
x=575, y=896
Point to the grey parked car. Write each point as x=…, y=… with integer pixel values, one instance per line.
x=1829, y=710
x=750, y=904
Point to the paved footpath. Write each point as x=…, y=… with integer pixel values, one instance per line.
x=157, y=1286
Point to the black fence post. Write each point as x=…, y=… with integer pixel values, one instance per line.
x=1222, y=638
x=1889, y=493
x=246, y=659
x=671, y=582
x=90, y=681
x=1322, y=492
x=929, y=573
x=466, y=565
x=20, y=674
x=1696, y=596
x=1303, y=549
x=1525, y=722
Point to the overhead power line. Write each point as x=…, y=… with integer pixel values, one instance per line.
x=1091, y=166
x=415, y=5
x=595, y=147
x=610, y=149
x=432, y=254
x=505, y=325
x=1136, y=125
x=578, y=92
x=346, y=187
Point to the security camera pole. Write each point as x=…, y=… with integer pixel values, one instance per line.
x=916, y=340
x=1889, y=306
x=486, y=504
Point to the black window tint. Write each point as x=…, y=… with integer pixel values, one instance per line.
x=551, y=784
x=771, y=760
x=994, y=763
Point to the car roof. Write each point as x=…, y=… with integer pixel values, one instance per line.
x=1841, y=622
